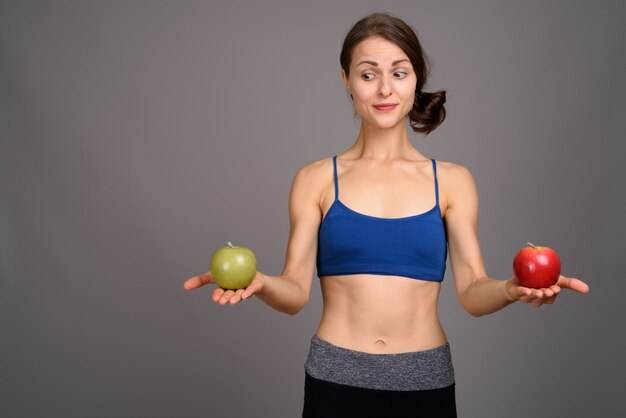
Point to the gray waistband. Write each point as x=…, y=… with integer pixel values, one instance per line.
x=418, y=370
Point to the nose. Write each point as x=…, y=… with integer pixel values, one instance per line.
x=385, y=87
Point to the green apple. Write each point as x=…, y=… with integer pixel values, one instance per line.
x=233, y=267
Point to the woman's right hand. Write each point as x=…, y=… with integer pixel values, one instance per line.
x=223, y=296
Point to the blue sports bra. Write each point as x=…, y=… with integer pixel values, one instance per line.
x=350, y=242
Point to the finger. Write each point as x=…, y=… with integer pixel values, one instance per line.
x=237, y=296
x=192, y=283
x=250, y=290
x=217, y=293
x=525, y=299
x=574, y=284
x=551, y=300
x=197, y=281
x=253, y=288
x=555, y=292
x=226, y=296
x=522, y=292
x=537, y=303
x=556, y=289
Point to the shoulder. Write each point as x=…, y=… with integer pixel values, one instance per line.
x=311, y=178
x=315, y=167
x=452, y=172
x=457, y=182
x=314, y=172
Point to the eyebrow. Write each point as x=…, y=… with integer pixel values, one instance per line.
x=375, y=64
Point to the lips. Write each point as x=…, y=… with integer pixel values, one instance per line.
x=385, y=106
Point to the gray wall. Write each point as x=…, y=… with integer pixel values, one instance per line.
x=137, y=137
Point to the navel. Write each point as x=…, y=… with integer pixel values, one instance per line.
x=380, y=342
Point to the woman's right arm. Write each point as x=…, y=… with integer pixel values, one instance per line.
x=289, y=291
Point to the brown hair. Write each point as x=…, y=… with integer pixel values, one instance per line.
x=428, y=111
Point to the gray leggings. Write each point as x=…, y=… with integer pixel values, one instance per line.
x=418, y=370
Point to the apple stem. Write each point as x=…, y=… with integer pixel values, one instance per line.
x=531, y=244
x=230, y=244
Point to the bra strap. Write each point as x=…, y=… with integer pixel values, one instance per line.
x=335, y=176
x=436, y=183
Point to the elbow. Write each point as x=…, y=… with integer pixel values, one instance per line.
x=469, y=302
x=471, y=310
x=474, y=313
x=293, y=312
x=303, y=299
x=295, y=308
x=298, y=308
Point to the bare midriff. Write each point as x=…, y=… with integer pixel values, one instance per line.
x=380, y=314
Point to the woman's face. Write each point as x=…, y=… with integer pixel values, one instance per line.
x=382, y=82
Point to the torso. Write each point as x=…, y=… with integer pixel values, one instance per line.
x=379, y=313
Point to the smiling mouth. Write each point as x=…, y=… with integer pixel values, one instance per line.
x=385, y=106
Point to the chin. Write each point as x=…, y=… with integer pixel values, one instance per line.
x=385, y=124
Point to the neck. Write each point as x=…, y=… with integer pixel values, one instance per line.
x=382, y=144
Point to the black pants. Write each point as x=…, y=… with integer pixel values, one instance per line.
x=324, y=399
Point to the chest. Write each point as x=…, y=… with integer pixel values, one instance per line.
x=384, y=195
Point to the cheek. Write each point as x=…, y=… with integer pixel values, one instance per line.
x=361, y=98
x=409, y=88
x=410, y=96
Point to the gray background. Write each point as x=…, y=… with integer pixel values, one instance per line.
x=137, y=137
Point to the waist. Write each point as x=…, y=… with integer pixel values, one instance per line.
x=380, y=314
x=406, y=371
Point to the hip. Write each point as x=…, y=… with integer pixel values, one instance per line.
x=324, y=399
x=406, y=371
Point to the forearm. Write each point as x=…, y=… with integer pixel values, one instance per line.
x=282, y=293
x=485, y=296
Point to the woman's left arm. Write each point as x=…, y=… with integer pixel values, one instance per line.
x=479, y=294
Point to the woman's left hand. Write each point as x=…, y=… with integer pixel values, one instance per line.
x=538, y=297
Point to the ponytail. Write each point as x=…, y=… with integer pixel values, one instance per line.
x=428, y=111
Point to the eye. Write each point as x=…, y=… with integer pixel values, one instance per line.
x=400, y=74
x=367, y=76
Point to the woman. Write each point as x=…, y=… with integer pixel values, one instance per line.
x=381, y=250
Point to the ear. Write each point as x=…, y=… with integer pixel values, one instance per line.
x=346, y=83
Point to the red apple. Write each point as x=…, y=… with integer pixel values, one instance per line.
x=537, y=267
